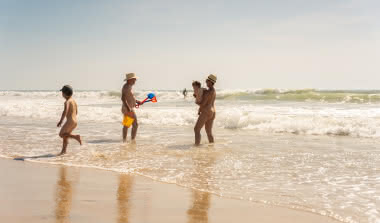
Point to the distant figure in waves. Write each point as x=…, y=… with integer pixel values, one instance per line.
x=206, y=111
x=129, y=102
x=184, y=92
x=70, y=111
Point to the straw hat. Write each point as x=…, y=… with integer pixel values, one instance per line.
x=130, y=76
x=212, y=78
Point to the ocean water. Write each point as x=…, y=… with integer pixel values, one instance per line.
x=311, y=150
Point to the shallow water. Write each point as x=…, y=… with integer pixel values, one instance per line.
x=306, y=117
x=331, y=174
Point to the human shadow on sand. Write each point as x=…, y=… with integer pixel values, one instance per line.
x=22, y=158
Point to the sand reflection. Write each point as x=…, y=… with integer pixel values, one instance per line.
x=198, y=211
x=123, y=197
x=63, y=196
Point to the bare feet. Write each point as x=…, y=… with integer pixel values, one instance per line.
x=62, y=152
x=78, y=138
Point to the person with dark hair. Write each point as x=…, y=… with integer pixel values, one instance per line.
x=70, y=112
x=206, y=111
x=198, y=91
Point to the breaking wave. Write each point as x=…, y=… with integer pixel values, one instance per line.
x=334, y=96
x=298, y=95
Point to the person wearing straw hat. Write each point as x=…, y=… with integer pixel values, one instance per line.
x=206, y=111
x=129, y=103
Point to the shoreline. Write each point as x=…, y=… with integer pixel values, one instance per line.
x=38, y=192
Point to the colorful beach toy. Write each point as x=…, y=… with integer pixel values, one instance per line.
x=151, y=97
x=128, y=120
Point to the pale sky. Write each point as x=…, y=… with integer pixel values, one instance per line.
x=91, y=44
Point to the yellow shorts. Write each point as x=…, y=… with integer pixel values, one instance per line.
x=128, y=120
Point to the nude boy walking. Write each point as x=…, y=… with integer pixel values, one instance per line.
x=70, y=112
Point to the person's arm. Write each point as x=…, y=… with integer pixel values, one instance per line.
x=64, y=113
x=124, y=100
x=199, y=97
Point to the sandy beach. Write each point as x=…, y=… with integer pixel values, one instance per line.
x=239, y=111
x=33, y=192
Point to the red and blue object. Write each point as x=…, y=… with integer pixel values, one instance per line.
x=150, y=98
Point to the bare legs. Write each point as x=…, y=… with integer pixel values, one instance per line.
x=134, y=131
x=64, y=146
x=65, y=137
x=65, y=134
x=208, y=127
x=125, y=133
x=206, y=120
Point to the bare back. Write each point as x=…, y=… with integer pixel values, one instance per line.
x=72, y=110
x=208, y=101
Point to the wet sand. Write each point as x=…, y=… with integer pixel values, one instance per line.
x=34, y=192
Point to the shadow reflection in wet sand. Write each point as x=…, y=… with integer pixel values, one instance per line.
x=63, y=197
x=124, y=193
x=22, y=158
x=198, y=211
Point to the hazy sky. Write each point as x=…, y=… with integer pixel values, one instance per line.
x=90, y=44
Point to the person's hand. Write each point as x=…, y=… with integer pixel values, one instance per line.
x=59, y=124
x=199, y=112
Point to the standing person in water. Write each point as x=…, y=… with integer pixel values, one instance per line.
x=129, y=103
x=184, y=92
x=70, y=111
x=206, y=111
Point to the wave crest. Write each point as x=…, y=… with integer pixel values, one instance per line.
x=268, y=94
x=301, y=95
